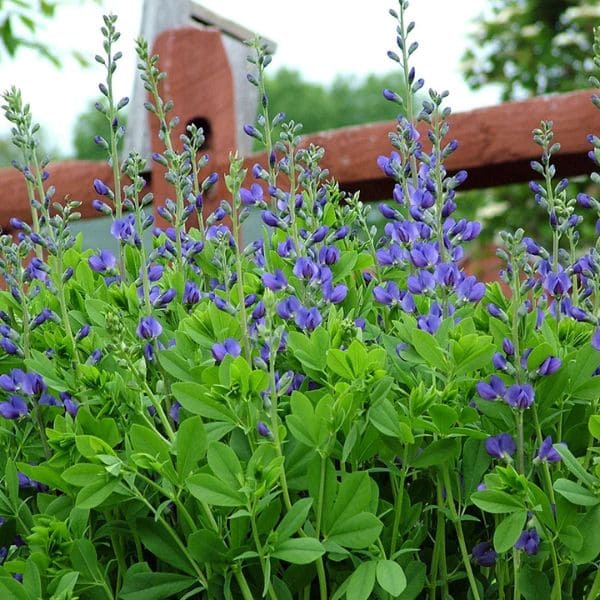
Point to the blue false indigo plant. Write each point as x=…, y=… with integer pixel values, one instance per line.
x=319, y=413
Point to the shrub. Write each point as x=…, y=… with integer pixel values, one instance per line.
x=318, y=414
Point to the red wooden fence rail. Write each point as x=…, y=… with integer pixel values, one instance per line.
x=496, y=143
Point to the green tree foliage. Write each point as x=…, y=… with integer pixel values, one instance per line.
x=531, y=47
x=347, y=101
x=528, y=48
x=20, y=21
x=91, y=123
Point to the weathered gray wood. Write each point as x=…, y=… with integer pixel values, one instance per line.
x=158, y=16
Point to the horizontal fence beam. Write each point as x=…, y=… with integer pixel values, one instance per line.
x=495, y=147
x=495, y=144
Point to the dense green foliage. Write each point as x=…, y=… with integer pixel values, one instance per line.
x=324, y=413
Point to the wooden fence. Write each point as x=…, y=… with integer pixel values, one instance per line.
x=496, y=147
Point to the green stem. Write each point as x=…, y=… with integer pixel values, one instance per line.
x=398, y=500
x=321, y=494
x=460, y=535
x=595, y=589
x=520, y=441
x=259, y=549
x=155, y=402
x=239, y=576
x=516, y=590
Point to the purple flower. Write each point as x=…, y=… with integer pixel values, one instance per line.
x=263, y=430
x=270, y=219
x=191, y=293
x=549, y=366
x=318, y=235
x=305, y=268
x=124, y=230
x=547, y=452
x=148, y=328
x=101, y=188
x=500, y=446
x=165, y=298
x=329, y=255
x=430, y=323
x=496, y=311
x=492, y=390
x=421, y=282
x=520, y=396
x=42, y=317
x=336, y=294
x=470, y=290
x=229, y=346
x=102, y=262
x=155, y=272
x=508, y=347
x=484, y=555
x=33, y=384
x=9, y=346
x=174, y=411
x=596, y=339
x=14, y=408
x=288, y=307
x=529, y=541
x=274, y=281
x=252, y=196
x=557, y=284
x=94, y=357
x=308, y=318
x=499, y=361
x=70, y=404
x=387, y=294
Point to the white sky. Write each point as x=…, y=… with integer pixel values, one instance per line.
x=318, y=37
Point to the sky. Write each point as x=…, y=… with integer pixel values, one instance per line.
x=321, y=39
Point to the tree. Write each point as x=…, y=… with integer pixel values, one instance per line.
x=347, y=101
x=532, y=47
x=91, y=123
x=20, y=21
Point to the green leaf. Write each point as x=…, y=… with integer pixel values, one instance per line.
x=225, y=464
x=83, y=559
x=438, y=453
x=66, y=585
x=428, y=348
x=90, y=446
x=299, y=551
x=589, y=528
x=508, y=531
x=443, y=417
x=571, y=537
x=475, y=463
x=361, y=582
x=32, y=581
x=540, y=353
x=83, y=474
x=391, y=577
x=575, y=493
x=496, y=502
x=574, y=465
x=190, y=444
x=206, y=546
x=96, y=493
x=145, y=440
x=294, y=519
x=154, y=586
x=385, y=419
x=158, y=540
x=594, y=426
x=207, y=488
x=338, y=364
x=353, y=497
x=194, y=398
x=533, y=584
x=359, y=531
x=174, y=364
